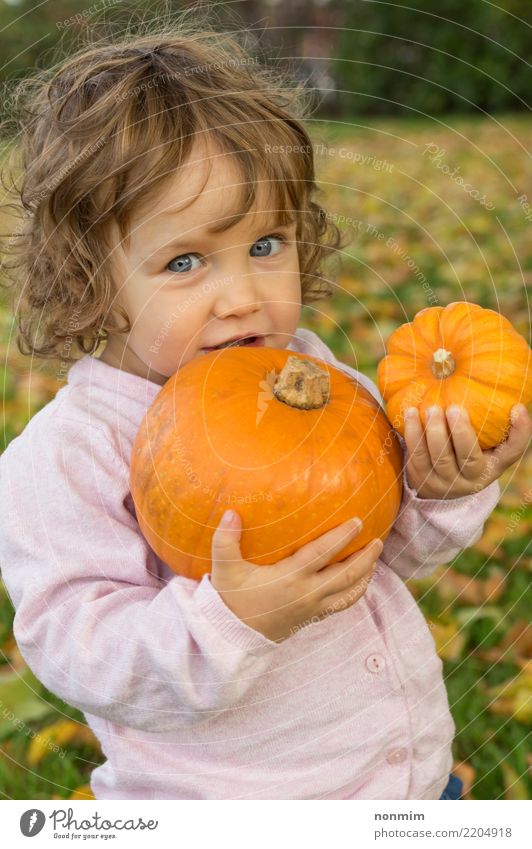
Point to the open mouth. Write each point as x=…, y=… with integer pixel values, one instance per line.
x=249, y=341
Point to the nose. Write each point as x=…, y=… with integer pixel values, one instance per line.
x=238, y=296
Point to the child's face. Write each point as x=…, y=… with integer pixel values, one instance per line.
x=209, y=288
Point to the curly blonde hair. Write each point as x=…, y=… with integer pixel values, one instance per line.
x=99, y=134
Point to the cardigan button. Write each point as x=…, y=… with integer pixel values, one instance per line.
x=397, y=756
x=375, y=663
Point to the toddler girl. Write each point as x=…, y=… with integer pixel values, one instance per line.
x=169, y=191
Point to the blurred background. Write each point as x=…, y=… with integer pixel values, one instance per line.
x=423, y=131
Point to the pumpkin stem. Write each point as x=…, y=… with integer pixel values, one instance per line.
x=302, y=384
x=443, y=363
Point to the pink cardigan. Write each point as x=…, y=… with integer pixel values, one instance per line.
x=188, y=701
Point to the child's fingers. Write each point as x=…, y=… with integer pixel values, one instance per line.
x=514, y=446
x=466, y=447
x=316, y=554
x=418, y=458
x=440, y=445
x=342, y=577
x=225, y=545
x=345, y=599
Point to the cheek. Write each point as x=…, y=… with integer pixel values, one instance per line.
x=289, y=281
x=154, y=326
x=290, y=293
x=172, y=335
x=286, y=309
x=141, y=311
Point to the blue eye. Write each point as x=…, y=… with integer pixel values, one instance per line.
x=263, y=247
x=183, y=264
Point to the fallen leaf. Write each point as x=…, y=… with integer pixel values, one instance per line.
x=514, y=697
x=57, y=735
x=495, y=585
x=496, y=530
x=448, y=638
x=515, y=646
x=465, y=615
x=20, y=701
x=82, y=792
x=514, y=784
x=454, y=586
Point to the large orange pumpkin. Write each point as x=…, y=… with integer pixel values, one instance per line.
x=294, y=445
x=459, y=354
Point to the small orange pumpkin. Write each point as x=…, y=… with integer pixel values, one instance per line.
x=294, y=445
x=459, y=354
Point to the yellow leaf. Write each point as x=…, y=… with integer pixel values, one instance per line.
x=448, y=638
x=82, y=792
x=523, y=706
x=514, y=697
x=48, y=740
x=55, y=736
x=514, y=784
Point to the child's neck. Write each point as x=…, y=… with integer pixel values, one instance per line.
x=123, y=358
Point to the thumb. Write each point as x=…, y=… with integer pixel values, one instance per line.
x=226, y=539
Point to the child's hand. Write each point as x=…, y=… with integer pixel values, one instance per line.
x=439, y=466
x=277, y=600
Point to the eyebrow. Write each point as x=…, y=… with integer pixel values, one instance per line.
x=198, y=236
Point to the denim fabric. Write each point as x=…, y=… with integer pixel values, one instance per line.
x=454, y=788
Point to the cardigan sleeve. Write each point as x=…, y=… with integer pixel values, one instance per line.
x=427, y=532
x=430, y=532
x=93, y=620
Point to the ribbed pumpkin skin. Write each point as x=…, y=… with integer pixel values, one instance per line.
x=216, y=437
x=493, y=368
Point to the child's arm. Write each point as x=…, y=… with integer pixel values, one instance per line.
x=95, y=625
x=451, y=471
x=427, y=532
